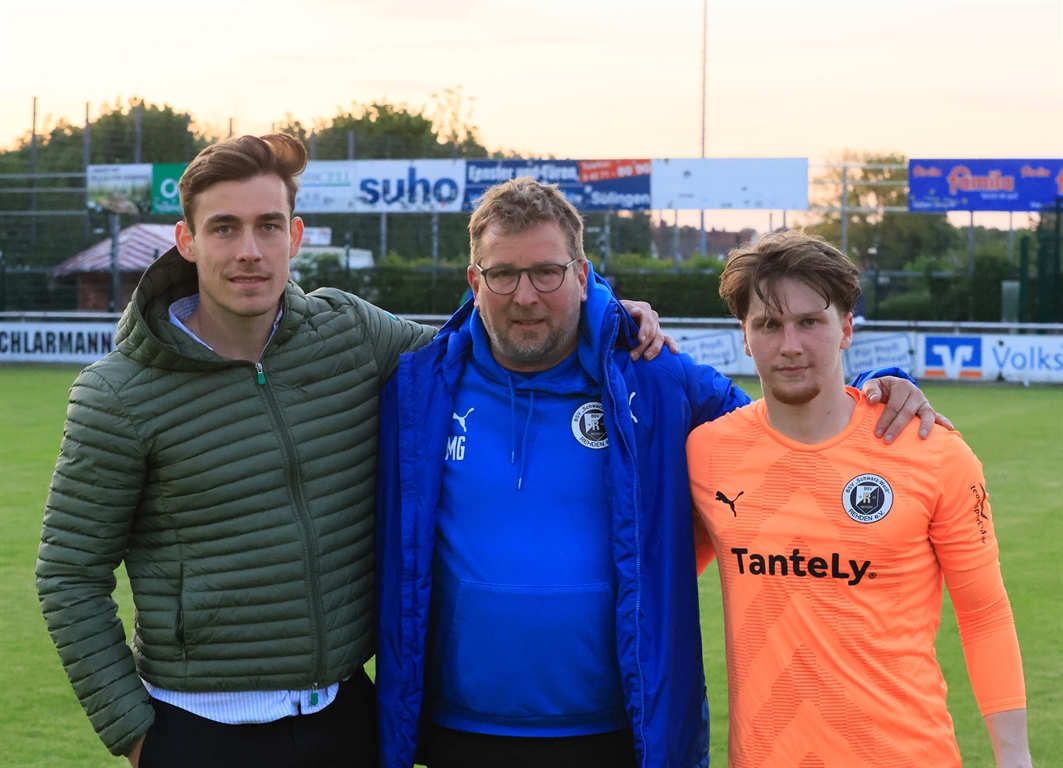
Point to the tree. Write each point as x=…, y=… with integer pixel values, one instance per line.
x=884, y=241
x=383, y=130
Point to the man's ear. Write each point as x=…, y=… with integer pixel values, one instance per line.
x=583, y=269
x=183, y=238
x=475, y=281
x=847, y=331
x=745, y=340
x=296, y=232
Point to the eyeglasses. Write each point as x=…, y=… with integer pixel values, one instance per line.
x=545, y=278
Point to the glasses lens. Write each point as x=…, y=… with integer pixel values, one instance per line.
x=547, y=277
x=502, y=279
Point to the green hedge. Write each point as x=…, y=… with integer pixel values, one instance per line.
x=419, y=291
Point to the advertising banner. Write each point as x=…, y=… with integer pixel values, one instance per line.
x=733, y=182
x=55, y=342
x=119, y=188
x=939, y=186
x=590, y=185
x=165, y=194
x=988, y=357
x=381, y=186
x=927, y=356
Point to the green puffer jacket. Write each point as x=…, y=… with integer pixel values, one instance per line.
x=241, y=502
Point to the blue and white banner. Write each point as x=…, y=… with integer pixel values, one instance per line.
x=381, y=186
x=926, y=356
x=939, y=186
x=590, y=185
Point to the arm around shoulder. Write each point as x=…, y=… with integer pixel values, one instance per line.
x=390, y=336
x=711, y=393
x=88, y=517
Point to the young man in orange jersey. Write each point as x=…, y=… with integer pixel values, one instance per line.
x=832, y=547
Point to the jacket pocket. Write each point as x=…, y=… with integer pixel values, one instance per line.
x=179, y=619
x=532, y=652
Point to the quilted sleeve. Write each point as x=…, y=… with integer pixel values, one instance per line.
x=87, y=522
x=391, y=336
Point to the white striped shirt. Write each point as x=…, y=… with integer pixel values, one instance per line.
x=239, y=707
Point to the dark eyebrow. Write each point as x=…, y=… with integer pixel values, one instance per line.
x=228, y=218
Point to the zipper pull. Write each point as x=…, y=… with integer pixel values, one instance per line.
x=313, y=691
x=262, y=381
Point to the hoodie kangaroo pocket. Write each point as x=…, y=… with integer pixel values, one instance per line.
x=532, y=652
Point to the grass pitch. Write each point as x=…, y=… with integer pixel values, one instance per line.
x=1017, y=433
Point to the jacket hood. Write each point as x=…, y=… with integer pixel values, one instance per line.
x=146, y=335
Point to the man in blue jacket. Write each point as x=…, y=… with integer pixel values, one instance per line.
x=536, y=579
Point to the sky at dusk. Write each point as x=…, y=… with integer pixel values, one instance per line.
x=569, y=79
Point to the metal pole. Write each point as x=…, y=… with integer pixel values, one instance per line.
x=350, y=145
x=1024, y=279
x=138, y=133
x=845, y=210
x=33, y=181
x=676, y=258
x=435, y=244
x=607, y=241
x=383, y=235
x=313, y=145
x=704, y=66
x=970, y=269
x=86, y=149
x=1011, y=236
x=116, y=229
x=348, y=238
x=702, y=247
x=230, y=127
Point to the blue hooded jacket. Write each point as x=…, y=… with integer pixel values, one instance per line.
x=658, y=632
x=657, y=618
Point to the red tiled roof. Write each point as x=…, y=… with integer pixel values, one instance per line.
x=138, y=246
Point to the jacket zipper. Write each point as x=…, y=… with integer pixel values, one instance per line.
x=607, y=361
x=317, y=607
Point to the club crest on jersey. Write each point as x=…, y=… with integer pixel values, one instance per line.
x=588, y=425
x=867, y=498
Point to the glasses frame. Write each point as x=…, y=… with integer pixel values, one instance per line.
x=521, y=273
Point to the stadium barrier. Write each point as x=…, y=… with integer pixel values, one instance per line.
x=1016, y=352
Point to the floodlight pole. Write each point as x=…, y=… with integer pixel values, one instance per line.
x=702, y=249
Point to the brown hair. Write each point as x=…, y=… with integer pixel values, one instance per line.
x=240, y=159
x=520, y=204
x=760, y=266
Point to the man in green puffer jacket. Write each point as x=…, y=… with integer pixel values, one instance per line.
x=226, y=452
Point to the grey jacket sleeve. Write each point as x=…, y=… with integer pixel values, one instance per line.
x=87, y=522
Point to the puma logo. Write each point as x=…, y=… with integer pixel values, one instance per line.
x=729, y=502
x=461, y=419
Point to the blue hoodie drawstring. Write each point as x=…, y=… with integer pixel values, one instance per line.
x=524, y=440
x=512, y=421
x=513, y=429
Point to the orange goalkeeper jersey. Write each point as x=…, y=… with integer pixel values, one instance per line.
x=831, y=559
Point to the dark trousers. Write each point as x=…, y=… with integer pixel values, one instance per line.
x=445, y=748
x=342, y=735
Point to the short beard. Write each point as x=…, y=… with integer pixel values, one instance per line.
x=796, y=397
x=531, y=353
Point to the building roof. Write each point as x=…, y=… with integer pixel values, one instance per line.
x=138, y=246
